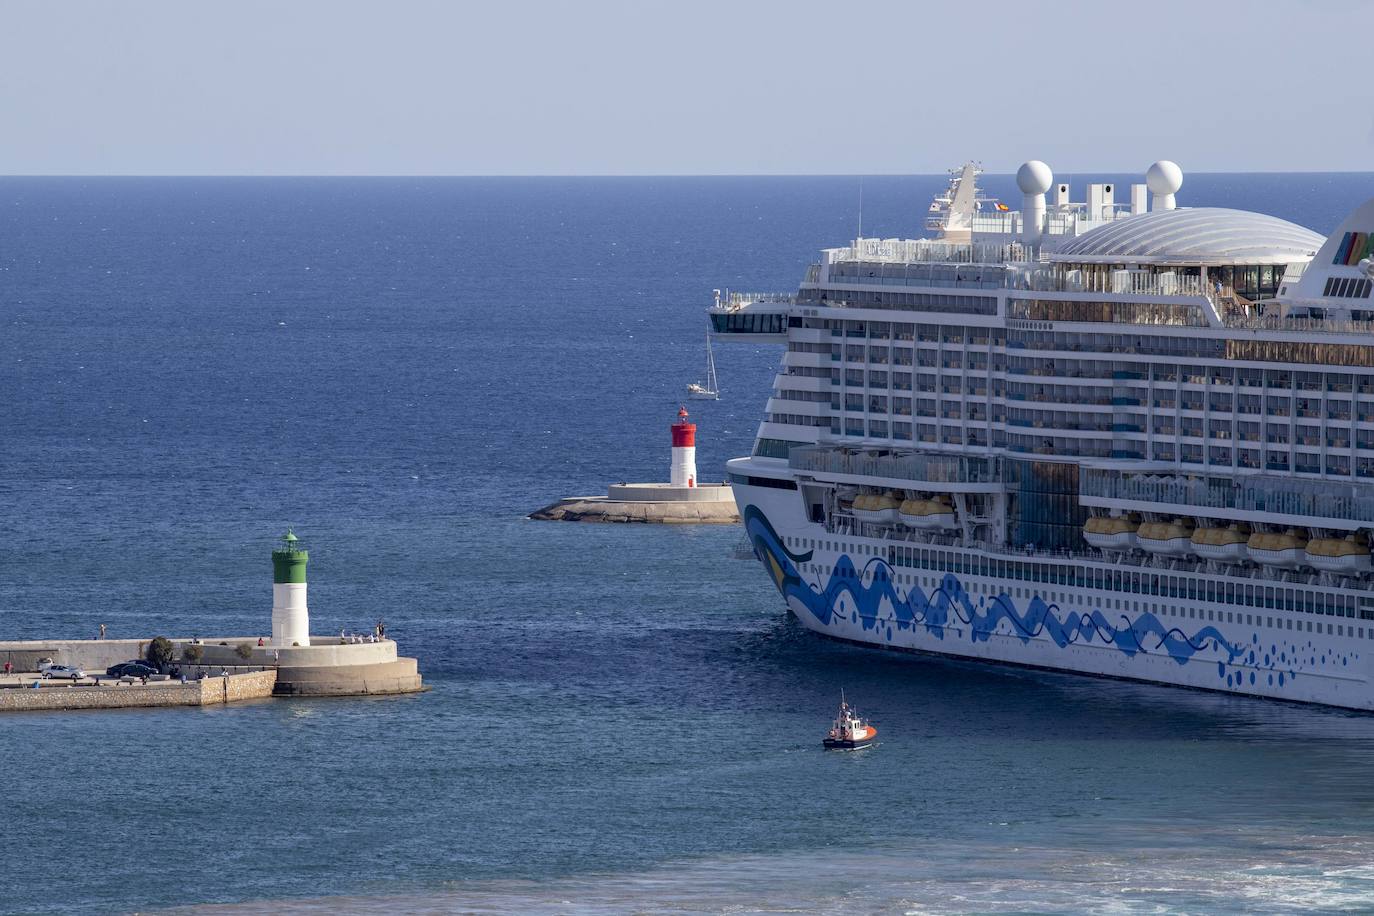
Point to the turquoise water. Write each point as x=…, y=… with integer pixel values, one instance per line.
x=621, y=717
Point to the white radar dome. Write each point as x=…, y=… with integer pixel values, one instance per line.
x=1164, y=177
x=1035, y=177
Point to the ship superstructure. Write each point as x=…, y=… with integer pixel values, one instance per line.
x=1126, y=439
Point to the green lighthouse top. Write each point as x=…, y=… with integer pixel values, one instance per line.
x=289, y=543
x=288, y=560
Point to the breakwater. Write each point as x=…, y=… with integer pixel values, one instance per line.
x=113, y=694
x=331, y=666
x=651, y=503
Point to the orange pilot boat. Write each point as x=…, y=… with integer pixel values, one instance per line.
x=850, y=732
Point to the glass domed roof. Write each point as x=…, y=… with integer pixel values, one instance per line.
x=1195, y=235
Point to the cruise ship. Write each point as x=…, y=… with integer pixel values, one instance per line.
x=1128, y=439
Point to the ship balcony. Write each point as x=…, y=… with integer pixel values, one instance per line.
x=795, y=382
x=897, y=468
x=1273, y=499
x=810, y=335
x=801, y=408
x=1048, y=377
x=751, y=316
x=807, y=360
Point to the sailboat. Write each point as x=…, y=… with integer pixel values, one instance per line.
x=709, y=391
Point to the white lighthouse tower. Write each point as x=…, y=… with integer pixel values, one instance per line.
x=290, y=615
x=683, y=472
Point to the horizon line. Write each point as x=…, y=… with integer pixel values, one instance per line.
x=639, y=174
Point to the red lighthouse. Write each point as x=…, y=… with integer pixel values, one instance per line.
x=683, y=472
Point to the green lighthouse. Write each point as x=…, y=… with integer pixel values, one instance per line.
x=290, y=614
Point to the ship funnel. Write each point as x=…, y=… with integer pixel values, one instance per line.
x=1034, y=179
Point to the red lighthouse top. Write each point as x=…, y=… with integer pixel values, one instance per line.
x=684, y=433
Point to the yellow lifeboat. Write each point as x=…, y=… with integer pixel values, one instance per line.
x=1168, y=538
x=1110, y=533
x=1227, y=545
x=1347, y=556
x=912, y=512
x=928, y=513
x=1287, y=550
x=878, y=509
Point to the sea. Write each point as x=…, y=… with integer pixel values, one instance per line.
x=621, y=718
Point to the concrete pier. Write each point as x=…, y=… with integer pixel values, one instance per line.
x=660, y=503
x=19, y=694
x=328, y=666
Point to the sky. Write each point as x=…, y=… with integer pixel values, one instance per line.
x=696, y=87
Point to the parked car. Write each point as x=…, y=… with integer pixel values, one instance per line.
x=64, y=671
x=131, y=669
x=44, y=664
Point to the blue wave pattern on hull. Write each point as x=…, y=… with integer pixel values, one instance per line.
x=949, y=605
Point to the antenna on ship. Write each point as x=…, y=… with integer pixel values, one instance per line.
x=861, y=207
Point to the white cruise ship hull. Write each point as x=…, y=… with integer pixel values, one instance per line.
x=846, y=587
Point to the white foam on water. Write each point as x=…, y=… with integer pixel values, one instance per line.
x=1168, y=872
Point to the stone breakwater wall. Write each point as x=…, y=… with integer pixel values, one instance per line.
x=251, y=685
x=602, y=509
x=400, y=675
x=651, y=503
x=91, y=655
x=330, y=666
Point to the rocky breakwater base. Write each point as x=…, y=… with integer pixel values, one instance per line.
x=655, y=503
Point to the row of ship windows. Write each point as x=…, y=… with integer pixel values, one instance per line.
x=1159, y=585
x=1064, y=415
x=1284, y=460
x=1282, y=389
x=1221, y=432
x=1348, y=287
x=1106, y=312
x=1019, y=424
x=1313, y=408
x=1198, y=347
x=1172, y=373
x=956, y=335
x=1279, y=381
x=1185, y=346
x=1337, y=409
x=1016, y=338
x=873, y=299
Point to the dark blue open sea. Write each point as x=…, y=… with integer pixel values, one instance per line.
x=622, y=718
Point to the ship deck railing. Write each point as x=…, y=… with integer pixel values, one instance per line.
x=916, y=251
x=1253, y=322
x=915, y=467
x=1289, y=496
x=731, y=301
